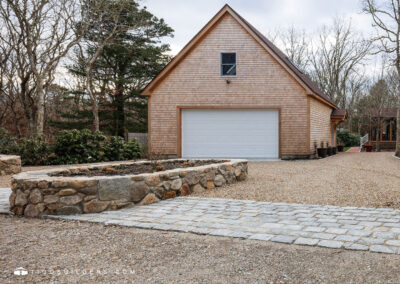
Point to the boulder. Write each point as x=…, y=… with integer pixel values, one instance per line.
x=49, y=199
x=43, y=184
x=149, y=199
x=35, y=196
x=170, y=194
x=138, y=191
x=167, y=184
x=229, y=177
x=192, y=178
x=91, y=190
x=185, y=190
x=118, y=204
x=66, y=192
x=71, y=200
x=79, y=184
x=176, y=184
x=21, y=198
x=31, y=211
x=152, y=180
x=219, y=180
x=89, y=197
x=95, y=206
x=69, y=210
x=238, y=171
x=198, y=188
x=210, y=184
x=12, y=200
x=115, y=189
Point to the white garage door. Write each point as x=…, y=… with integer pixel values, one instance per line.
x=230, y=133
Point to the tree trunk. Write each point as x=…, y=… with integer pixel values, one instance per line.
x=378, y=136
x=95, y=111
x=95, y=105
x=41, y=106
x=398, y=129
x=120, y=115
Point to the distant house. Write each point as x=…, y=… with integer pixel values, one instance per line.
x=382, y=128
x=231, y=93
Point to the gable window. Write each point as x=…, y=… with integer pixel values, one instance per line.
x=228, y=64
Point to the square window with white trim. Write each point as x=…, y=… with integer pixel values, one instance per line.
x=228, y=64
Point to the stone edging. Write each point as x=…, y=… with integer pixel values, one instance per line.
x=37, y=193
x=9, y=165
x=396, y=157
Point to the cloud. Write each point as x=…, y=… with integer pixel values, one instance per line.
x=188, y=17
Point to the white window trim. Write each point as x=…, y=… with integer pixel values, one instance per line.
x=220, y=65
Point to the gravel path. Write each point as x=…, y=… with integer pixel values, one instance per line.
x=168, y=257
x=347, y=179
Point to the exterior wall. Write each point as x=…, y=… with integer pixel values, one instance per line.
x=261, y=82
x=320, y=124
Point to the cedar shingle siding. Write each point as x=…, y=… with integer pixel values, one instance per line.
x=320, y=124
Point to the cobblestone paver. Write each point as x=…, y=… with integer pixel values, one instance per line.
x=355, y=228
x=377, y=230
x=4, y=195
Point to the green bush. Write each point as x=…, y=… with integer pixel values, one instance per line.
x=132, y=150
x=77, y=147
x=117, y=150
x=8, y=143
x=114, y=149
x=33, y=151
x=348, y=139
x=70, y=147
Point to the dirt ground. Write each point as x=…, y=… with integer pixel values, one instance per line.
x=72, y=252
x=347, y=179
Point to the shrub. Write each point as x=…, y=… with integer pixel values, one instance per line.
x=8, y=143
x=114, y=149
x=132, y=150
x=117, y=150
x=70, y=147
x=347, y=138
x=77, y=147
x=33, y=151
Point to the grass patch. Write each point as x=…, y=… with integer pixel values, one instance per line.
x=346, y=148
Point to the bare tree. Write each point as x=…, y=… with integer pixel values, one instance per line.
x=386, y=20
x=295, y=44
x=376, y=102
x=45, y=31
x=336, y=61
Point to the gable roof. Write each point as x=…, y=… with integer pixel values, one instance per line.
x=303, y=79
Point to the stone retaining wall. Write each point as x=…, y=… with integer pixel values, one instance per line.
x=37, y=193
x=9, y=165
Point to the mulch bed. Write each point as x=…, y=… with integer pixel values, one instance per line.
x=135, y=169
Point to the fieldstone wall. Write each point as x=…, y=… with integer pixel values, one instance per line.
x=9, y=165
x=37, y=193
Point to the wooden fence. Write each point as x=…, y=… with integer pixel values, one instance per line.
x=140, y=137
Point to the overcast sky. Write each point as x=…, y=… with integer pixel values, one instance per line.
x=188, y=17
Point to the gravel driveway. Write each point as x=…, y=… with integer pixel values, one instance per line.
x=126, y=255
x=347, y=179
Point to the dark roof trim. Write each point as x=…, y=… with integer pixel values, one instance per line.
x=339, y=113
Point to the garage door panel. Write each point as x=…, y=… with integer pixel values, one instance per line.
x=230, y=133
